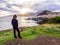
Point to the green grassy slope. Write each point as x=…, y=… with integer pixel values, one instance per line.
x=52, y=30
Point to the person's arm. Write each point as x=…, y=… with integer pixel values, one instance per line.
x=12, y=22
x=17, y=22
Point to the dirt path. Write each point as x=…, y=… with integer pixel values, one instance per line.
x=40, y=40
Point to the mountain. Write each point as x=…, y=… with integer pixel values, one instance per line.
x=45, y=12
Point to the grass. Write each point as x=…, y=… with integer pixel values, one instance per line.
x=52, y=30
x=5, y=36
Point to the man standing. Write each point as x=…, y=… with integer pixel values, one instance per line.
x=15, y=26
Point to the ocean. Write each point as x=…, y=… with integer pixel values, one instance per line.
x=5, y=22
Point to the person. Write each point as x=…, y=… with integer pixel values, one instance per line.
x=15, y=26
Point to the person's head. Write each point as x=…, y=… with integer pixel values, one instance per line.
x=14, y=17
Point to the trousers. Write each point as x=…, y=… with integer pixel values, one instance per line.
x=16, y=30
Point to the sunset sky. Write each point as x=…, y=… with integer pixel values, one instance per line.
x=8, y=7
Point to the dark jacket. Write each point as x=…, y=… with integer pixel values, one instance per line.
x=14, y=23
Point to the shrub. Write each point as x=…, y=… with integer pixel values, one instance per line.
x=54, y=20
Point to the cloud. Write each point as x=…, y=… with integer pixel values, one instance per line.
x=5, y=13
x=57, y=2
x=15, y=5
x=23, y=1
x=32, y=5
x=2, y=5
x=56, y=11
x=2, y=1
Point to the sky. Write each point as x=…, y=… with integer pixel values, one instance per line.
x=10, y=7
